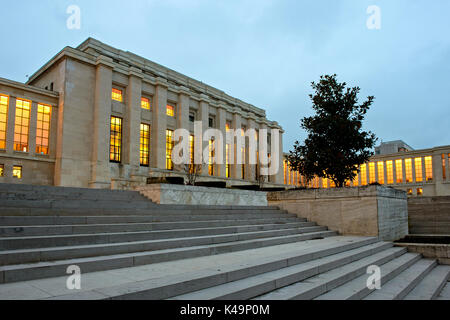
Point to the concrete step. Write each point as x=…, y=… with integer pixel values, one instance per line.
x=41, y=230
x=401, y=285
x=135, y=254
x=251, y=287
x=268, y=230
x=431, y=285
x=445, y=293
x=356, y=288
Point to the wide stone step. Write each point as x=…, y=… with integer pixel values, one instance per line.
x=357, y=289
x=445, y=293
x=17, y=243
x=251, y=287
x=401, y=285
x=431, y=285
x=167, y=250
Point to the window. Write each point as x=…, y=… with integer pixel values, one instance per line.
x=409, y=192
x=284, y=171
x=145, y=104
x=356, y=179
x=191, y=149
x=243, y=163
x=372, y=178
x=429, y=168
x=169, y=148
x=211, y=157
x=227, y=126
x=399, y=170
x=408, y=169
x=444, y=175
x=380, y=165
x=22, y=124
x=170, y=110
x=419, y=191
x=418, y=167
x=211, y=122
x=192, y=116
x=43, y=129
x=115, y=150
x=390, y=171
x=2, y=170
x=4, y=102
x=144, y=145
x=363, y=174
x=117, y=95
x=227, y=163
x=17, y=172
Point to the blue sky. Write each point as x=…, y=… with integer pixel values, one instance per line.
x=266, y=52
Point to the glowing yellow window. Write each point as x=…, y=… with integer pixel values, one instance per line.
x=169, y=148
x=144, y=145
x=43, y=129
x=284, y=171
x=115, y=150
x=419, y=170
x=429, y=168
x=408, y=170
x=211, y=158
x=170, y=111
x=4, y=102
x=243, y=161
x=444, y=174
x=356, y=179
x=419, y=191
x=409, y=192
x=399, y=170
x=372, y=178
x=22, y=125
x=117, y=95
x=17, y=172
x=390, y=171
x=2, y=170
x=363, y=174
x=227, y=161
x=145, y=103
x=380, y=165
x=325, y=183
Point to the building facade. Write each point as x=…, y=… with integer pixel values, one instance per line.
x=95, y=116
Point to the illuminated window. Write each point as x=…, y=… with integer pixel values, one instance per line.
x=43, y=129
x=284, y=171
x=243, y=161
x=356, y=179
x=428, y=168
x=115, y=149
x=211, y=158
x=325, y=183
x=4, y=102
x=408, y=170
x=409, y=192
x=390, y=171
x=145, y=104
x=227, y=126
x=170, y=111
x=169, y=148
x=332, y=184
x=22, y=125
x=372, y=178
x=227, y=164
x=17, y=172
x=380, y=165
x=418, y=167
x=144, y=145
x=2, y=170
x=191, y=149
x=419, y=191
x=363, y=174
x=399, y=170
x=444, y=175
x=117, y=95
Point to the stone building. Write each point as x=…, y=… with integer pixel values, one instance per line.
x=95, y=116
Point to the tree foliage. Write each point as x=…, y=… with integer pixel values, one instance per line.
x=336, y=144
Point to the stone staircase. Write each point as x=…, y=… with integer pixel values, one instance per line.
x=130, y=248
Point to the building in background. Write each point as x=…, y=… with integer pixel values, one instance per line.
x=96, y=116
x=391, y=147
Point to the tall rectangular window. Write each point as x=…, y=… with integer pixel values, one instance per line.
x=191, y=149
x=117, y=95
x=418, y=167
x=4, y=102
x=227, y=163
x=22, y=125
x=145, y=104
x=144, y=145
x=43, y=129
x=243, y=163
x=372, y=177
x=211, y=158
x=399, y=170
x=169, y=148
x=285, y=171
x=363, y=171
x=380, y=165
x=390, y=171
x=408, y=170
x=429, y=168
x=17, y=172
x=444, y=174
x=2, y=170
x=170, y=110
x=356, y=179
x=115, y=149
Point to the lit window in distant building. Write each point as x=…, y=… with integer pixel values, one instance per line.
x=17, y=172
x=2, y=170
x=444, y=174
x=408, y=170
x=409, y=192
x=372, y=177
x=429, y=168
x=169, y=148
x=332, y=184
x=211, y=158
x=419, y=191
x=145, y=104
x=243, y=163
x=22, y=125
x=4, y=102
x=144, y=145
x=117, y=95
x=227, y=163
x=390, y=171
x=191, y=149
x=380, y=165
x=418, y=167
x=43, y=129
x=363, y=171
x=325, y=183
x=399, y=170
x=115, y=150
x=170, y=110
x=356, y=179
x=284, y=171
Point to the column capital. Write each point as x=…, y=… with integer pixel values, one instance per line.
x=104, y=61
x=182, y=90
x=133, y=71
x=204, y=98
x=162, y=82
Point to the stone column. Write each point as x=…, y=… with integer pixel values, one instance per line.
x=221, y=125
x=424, y=174
x=249, y=168
x=11, y=123
x=279, y=177
x=447, y=168
x=394, y=171
x=32, y=129
x=385, y=173
x=404, y=171
x=204, y=118
x=437, y=167
x=132, y=119
x=100, y=175
x=236, y=168
x=413, y=169
x=159, y=125
x=182, y=111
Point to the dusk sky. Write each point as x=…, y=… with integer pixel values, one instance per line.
x=266, y=52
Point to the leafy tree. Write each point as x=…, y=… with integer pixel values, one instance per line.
x=336, y=144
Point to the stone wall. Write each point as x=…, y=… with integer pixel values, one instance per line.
x=363, y=211
x=429, y=215
x=193, y=195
